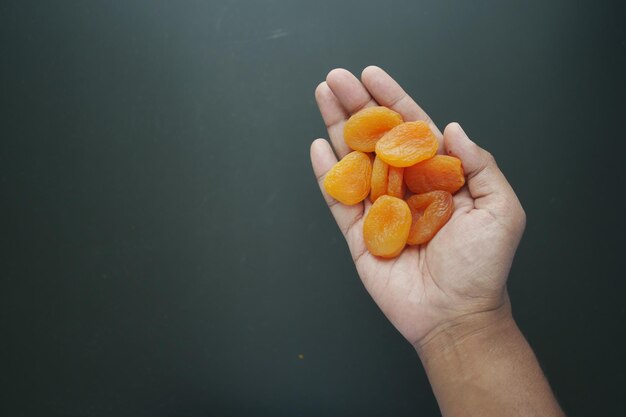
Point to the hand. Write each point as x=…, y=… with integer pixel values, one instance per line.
x=461, y=273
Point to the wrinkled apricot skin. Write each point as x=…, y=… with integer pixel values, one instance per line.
x=348, y=181
x=386, y=226
x=390, y=158
x=441, y=172
x=429, y=212
x=407, y=144
x=396, y=187
x=380, y=172
x=364, y=128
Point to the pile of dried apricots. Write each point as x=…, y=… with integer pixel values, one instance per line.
x=390, y=155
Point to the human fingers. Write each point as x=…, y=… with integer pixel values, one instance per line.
x=487, y=185
x=350, y=92
x=334, y=117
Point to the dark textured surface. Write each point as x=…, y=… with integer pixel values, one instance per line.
x=165, y=248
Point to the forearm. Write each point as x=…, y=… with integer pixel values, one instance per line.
x=483, y=366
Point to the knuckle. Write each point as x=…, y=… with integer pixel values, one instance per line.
x=521, y=217
x=489, y=158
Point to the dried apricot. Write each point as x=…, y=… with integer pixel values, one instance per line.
x=395, y=184
x=386, y=226
x=407, y=144
x=380, y=172
x=390, y=156
x=430, y=212
x=441, y=172
x=348, y=181
x=364, y=128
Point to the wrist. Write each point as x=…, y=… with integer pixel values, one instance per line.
x=468, y=331
x=480, y=364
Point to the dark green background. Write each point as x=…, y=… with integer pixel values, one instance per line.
x=166, y=251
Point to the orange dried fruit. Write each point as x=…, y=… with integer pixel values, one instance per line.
x=407, y=144
x=364, y=128
x=348, y=181
x=441, y=172
x=386, y=226
x=395, y=184
x=430, y=212
x=405, y=157
x=387, y=180
x=380, y=172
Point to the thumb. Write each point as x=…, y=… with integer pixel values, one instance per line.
x=485, y=182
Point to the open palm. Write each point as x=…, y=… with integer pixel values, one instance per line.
x=463, y=269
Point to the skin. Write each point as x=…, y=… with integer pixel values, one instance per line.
x=448, y=298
